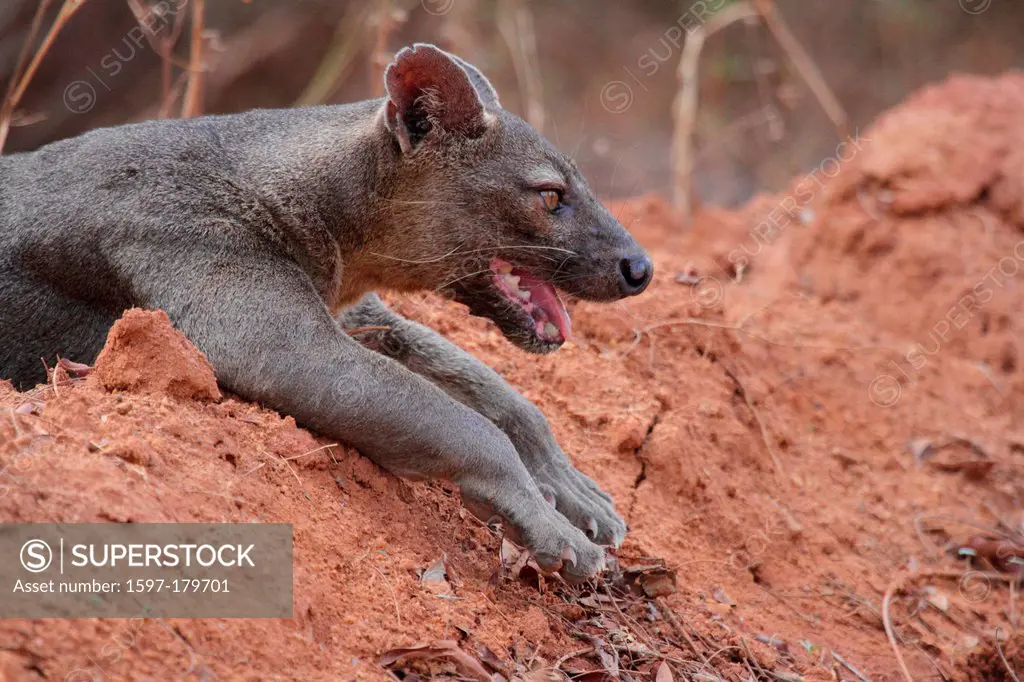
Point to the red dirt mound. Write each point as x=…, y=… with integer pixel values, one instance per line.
x=144, y=353
x=922, y=231
x=748, y=421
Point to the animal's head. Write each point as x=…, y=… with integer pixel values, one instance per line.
x=483, y=208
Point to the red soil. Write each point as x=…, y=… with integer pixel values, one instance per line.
x=765, y=437
x=146, y=354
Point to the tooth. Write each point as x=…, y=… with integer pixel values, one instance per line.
x=512, y=280
x=523, y=294
x=503, y=268
x=551, y=330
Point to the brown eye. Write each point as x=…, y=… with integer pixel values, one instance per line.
x=551, y=198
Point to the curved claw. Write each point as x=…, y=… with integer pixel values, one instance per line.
x=549, y=494
x=568, y=554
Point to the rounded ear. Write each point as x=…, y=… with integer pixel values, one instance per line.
x=488, y=95
x=427, y=89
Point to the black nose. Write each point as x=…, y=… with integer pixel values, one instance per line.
x=635, y=273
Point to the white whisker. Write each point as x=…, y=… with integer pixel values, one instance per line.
x=454, y=251
x=548, y=248
x=471, y=274
x=424, y=202
x=418, y=262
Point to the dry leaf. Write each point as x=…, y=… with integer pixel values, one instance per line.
x=509, y=553
x=720, y=596
x=74, y=367
x=654, y=580
x=490, y=659
x=658, y=583
x=435, y=578
x=435, y=650
x=972, y=469
x=520, y=564
x=609, y=659
x=27, y=408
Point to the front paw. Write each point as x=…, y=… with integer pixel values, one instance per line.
x=582, y=502
x=556, y=544
x=573, y=494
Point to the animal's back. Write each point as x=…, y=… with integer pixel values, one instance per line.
x=81, y=218
x=65, y=210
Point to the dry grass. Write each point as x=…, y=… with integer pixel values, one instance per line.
x=25, y=72
x=687, y=98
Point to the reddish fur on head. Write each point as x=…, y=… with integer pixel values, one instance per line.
x=466, y=207
x=415, y=81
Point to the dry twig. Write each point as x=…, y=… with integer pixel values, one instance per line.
x=313, y=451
x=193, y=101
x=163, y=46
x=680, y=630
x=1002, y=657
x=899, y=584
x=20, y=79
x=846, y=664
x=515, y=23
x=779, y=469
x=394, y=595
x=687, y=75
x=339, y=58
x=685, y=105
x=387, y=20
x=7, y=109
x=805, y=66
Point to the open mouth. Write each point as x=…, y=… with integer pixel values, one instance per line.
x=536, y=298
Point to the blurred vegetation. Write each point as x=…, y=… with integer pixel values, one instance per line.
x=758, y=125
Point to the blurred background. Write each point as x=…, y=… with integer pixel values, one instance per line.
x=598, y=76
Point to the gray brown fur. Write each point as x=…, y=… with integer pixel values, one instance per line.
x=263, y=235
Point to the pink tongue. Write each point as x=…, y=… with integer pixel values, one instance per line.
x=543, y=296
